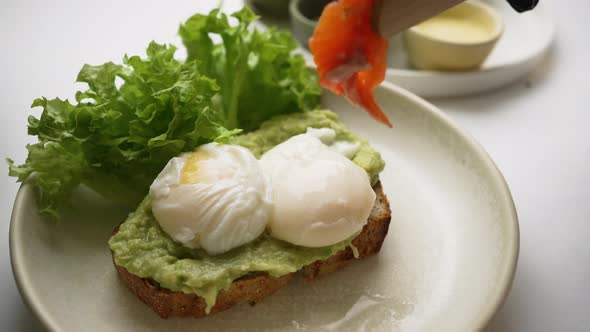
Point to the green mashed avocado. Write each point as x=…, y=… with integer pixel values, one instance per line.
x=143, y=248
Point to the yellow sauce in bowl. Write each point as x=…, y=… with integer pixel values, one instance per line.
x=455, y=29
x=460, y=24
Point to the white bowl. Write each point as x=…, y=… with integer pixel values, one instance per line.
x=526, y=39
x=437, y=49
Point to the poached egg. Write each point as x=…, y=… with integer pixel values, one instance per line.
x=215, y=198
x=320, y=196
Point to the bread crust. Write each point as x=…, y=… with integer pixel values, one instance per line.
x=254, y=287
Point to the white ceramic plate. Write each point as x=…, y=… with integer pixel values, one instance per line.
x=526, y=39
x=446, y=265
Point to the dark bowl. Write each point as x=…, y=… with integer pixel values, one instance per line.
x=304, y=17
x=275, y=8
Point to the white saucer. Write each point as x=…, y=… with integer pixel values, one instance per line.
x=446, y=265
x=525, y=41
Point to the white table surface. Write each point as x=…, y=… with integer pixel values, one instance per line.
x=536, y=130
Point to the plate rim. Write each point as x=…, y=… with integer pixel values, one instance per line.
x=506, y=280
x=24, y=288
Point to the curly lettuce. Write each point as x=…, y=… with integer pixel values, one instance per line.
x=135, y=116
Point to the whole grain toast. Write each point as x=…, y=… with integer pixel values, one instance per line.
x=254, y=287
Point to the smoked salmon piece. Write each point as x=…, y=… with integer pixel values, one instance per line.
x=350, y=56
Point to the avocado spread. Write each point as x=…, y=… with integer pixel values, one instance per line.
x=145, y=250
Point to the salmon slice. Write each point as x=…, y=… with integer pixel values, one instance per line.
x=350, y=56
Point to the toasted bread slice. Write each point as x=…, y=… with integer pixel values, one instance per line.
x=254, y=287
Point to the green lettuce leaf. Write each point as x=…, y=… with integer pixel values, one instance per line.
x=135, y=116
x=258, y=75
